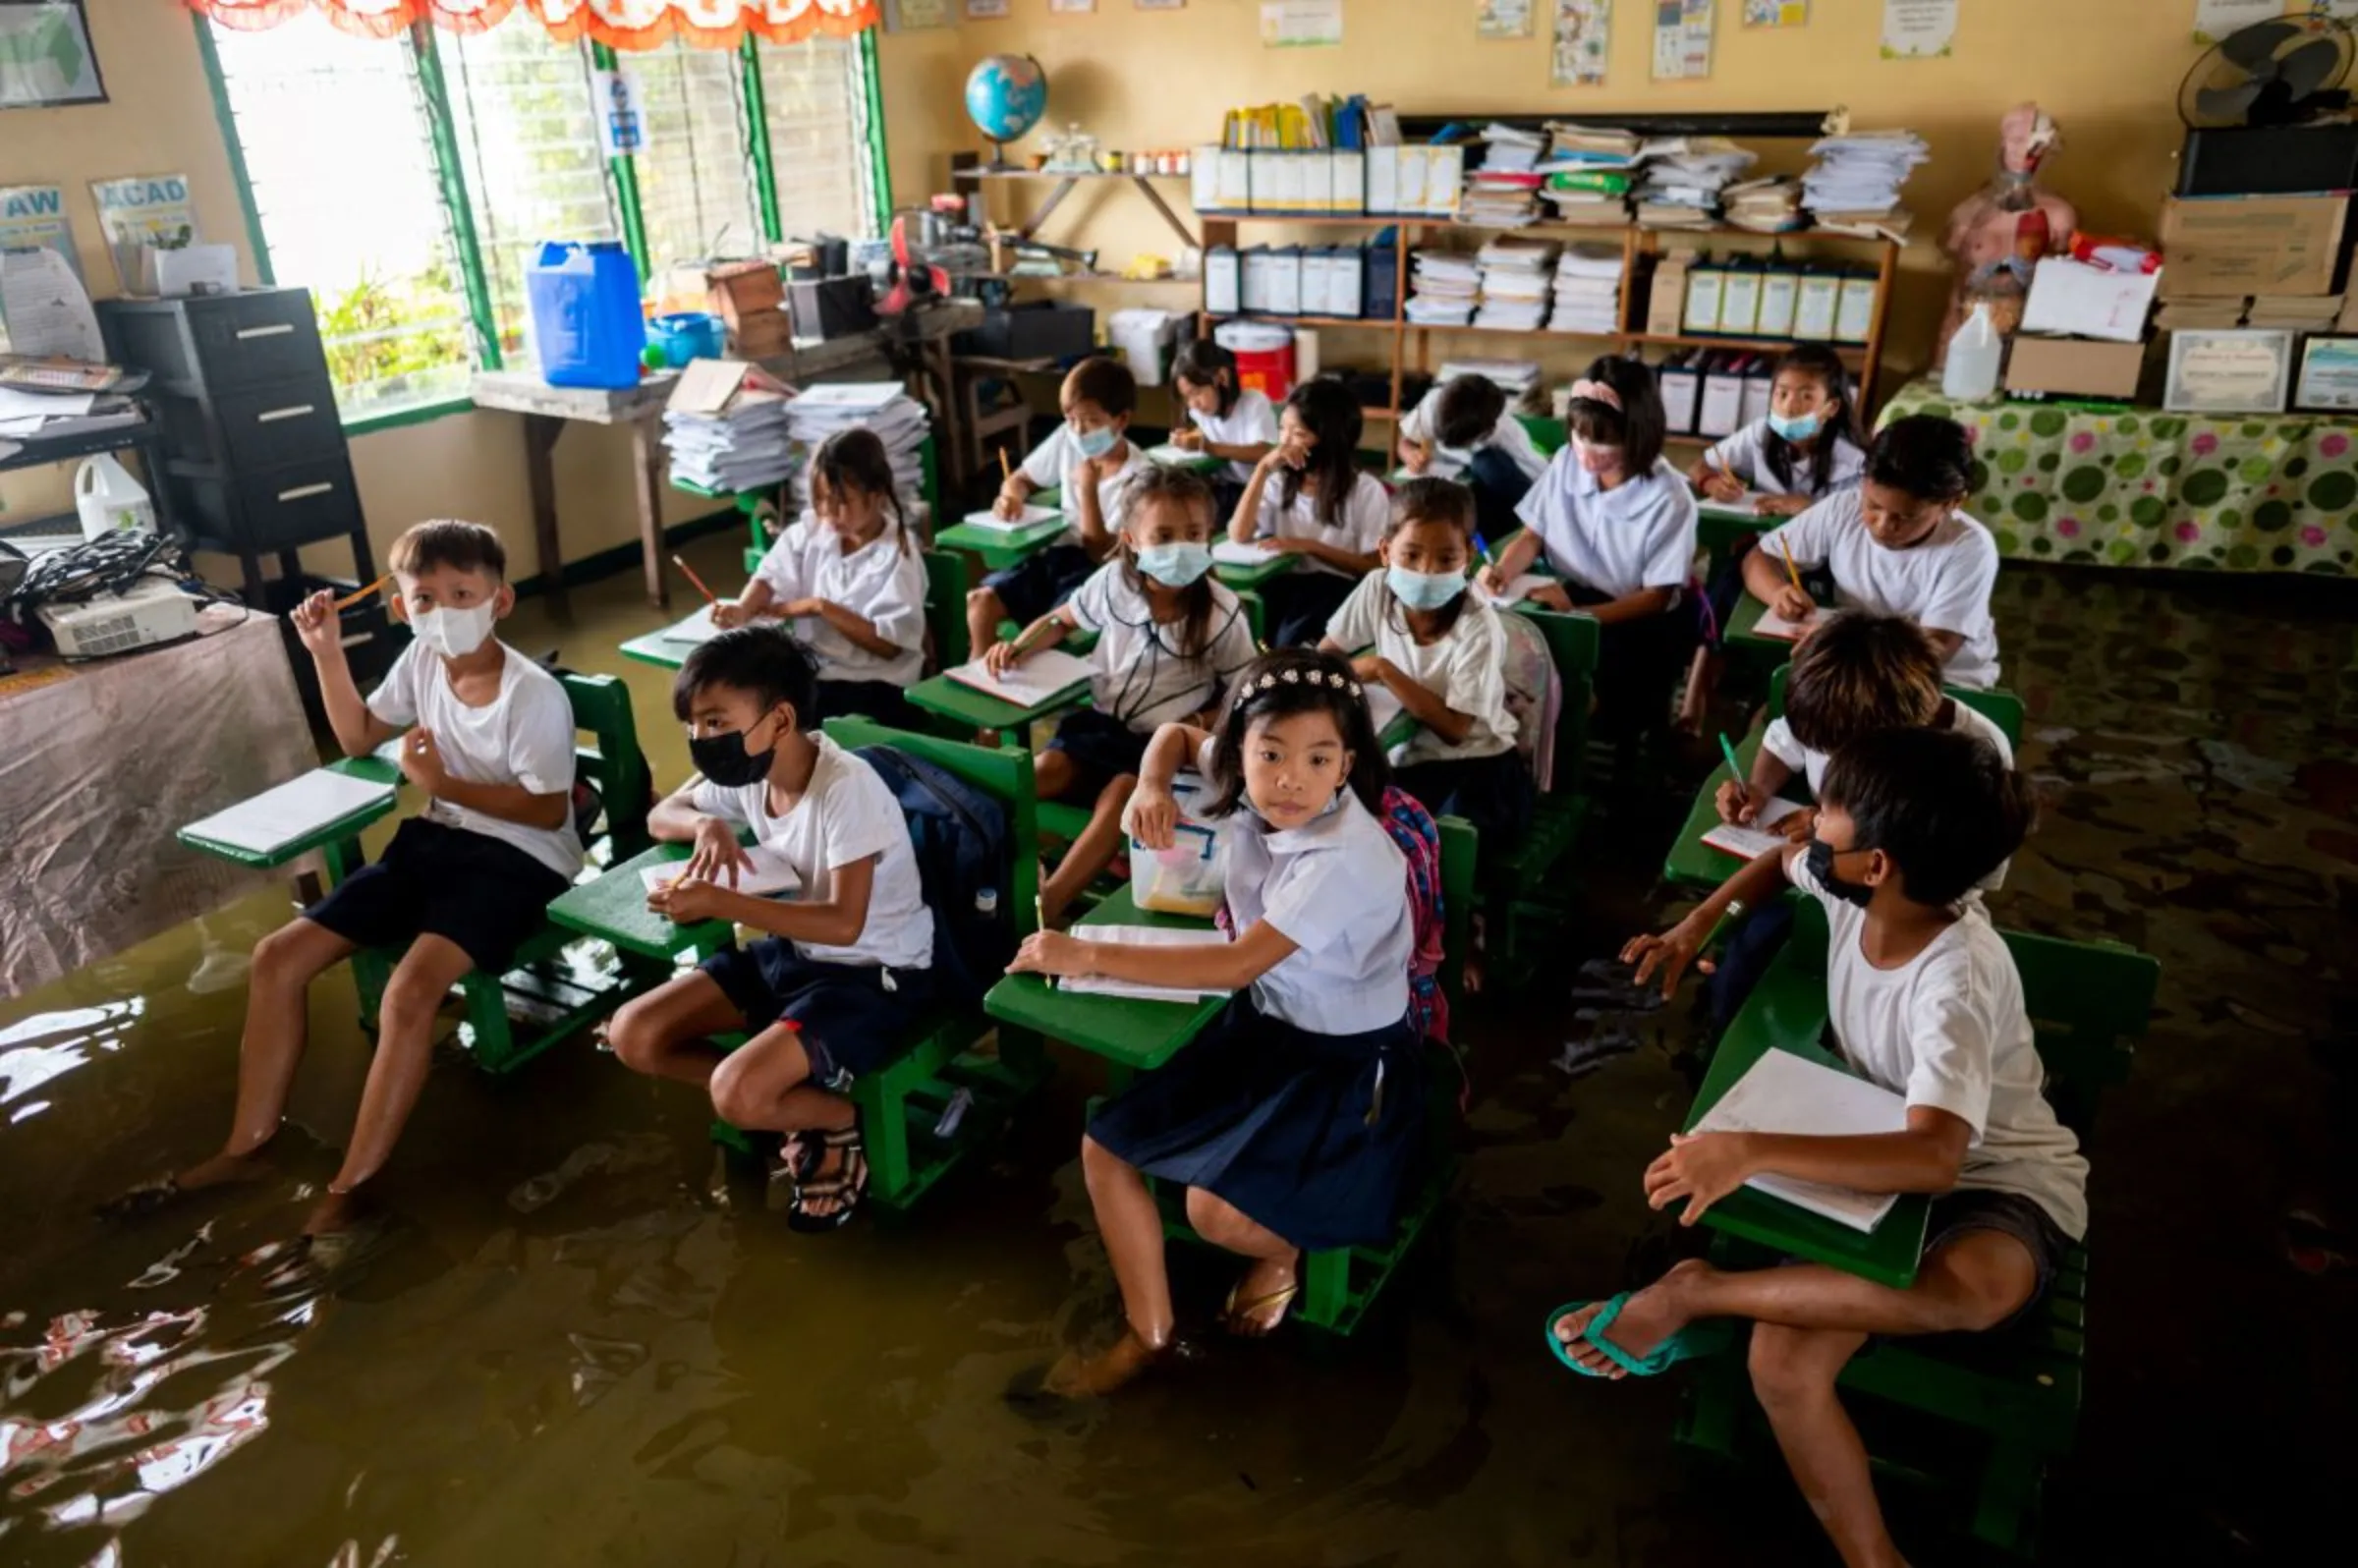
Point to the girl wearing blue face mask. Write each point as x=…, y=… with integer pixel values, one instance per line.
x=1439, y=648
x=1169, y=638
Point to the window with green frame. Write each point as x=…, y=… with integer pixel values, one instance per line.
x=407, y=182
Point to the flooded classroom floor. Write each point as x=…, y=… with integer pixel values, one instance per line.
x=557, y=1338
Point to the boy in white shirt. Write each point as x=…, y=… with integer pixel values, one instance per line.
x=1462, y=430
x=844, y=966
x=1926, y=1001
x=487, y=738
x=1896, y=544
x=1093, y=459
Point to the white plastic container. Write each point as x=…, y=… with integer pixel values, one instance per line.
x=109, y=499
x=1974, y=354
x=1191, y=877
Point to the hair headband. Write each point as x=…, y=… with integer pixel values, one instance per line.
x=1595, y=392
x=1293, y=677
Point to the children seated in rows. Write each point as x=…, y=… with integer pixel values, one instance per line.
x=1616, y=523
x=1169, y=639
x=1896, y=544
x=1441, y=651
x=1226, y=420
x=850, y=583
x=1292, y=1120
x=1308, y=497
x=1461, y=430
x=839, y=973
x=1092, y=457
x=488, y=740
x=1926, y=1001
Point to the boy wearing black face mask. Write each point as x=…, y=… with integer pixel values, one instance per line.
x=845, y=966
x=1926, y=1001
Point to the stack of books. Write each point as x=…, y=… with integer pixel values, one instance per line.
x=1588, y=174
x=1854, y=185
x=1588, y=290
x=1514, y=284
x=1502, y=192
x=2294, y=312
x=884, y=406
x=1517, y=378
x=745, y=447
x=1763, y=206
x=1684, y=178
x=1444, y=288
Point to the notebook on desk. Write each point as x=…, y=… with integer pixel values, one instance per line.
x=767, y=877
x=1227, y=552
x=293, y=811
x=1038, y=681
x=695, y=630
x=1782, y=1092
x=1033, y=517
x=1753, y=842
x=1170, y=455
x=1141, y=937
x=1746, y=506
x=1516, y=592
x=1771, y=624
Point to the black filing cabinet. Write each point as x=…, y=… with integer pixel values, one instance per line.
x=254, y=454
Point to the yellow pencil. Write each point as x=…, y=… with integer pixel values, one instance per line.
x=1006, y=470
x=358, y=595
x=1792, y=571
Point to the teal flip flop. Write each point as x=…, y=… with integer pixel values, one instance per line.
x=1695, y=1339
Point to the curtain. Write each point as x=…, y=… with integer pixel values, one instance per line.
x=631, y=25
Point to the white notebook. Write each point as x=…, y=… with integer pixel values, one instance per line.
x=1138, y=936
x=1774, y=625
x=1516, y=592
x=298, y=808
x=1040, y=678
x=1747, y=505
x=1750, y=843
x=1172, y=456
x=1227, y=552
x=1032, y=514
x=1783, y=1092
x=696, y=629
x=768, y=876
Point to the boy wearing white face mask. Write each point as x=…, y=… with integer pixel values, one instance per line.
x=1443, y=652
x=1169, y=639
x=488, y=744
x=1092, y=457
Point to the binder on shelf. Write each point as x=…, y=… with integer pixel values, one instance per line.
x=1740, y=300
x=1854, y=310
x=1781, y=292
x=1759, y=384
x=1414, y=164
x=1681, y=388
x=1721, y=407
x=1292, y=181
x=1346, y=280
x=1224, y=281
x=1235, y=180
x=1285, y=281
x=1262, y=167
x=1255, y=294
x=1380, y=276
x=1204, y=187
x=1383, y=181
x=1815, y=306
x=1706, y=282
x=1317, y=183
x=1350, y=196
x=1444, y=178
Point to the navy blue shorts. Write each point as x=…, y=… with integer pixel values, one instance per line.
x=854, y=1018
x=484, y=896
x=1037, y=583
x=1969, y=1209
x=1101, y=749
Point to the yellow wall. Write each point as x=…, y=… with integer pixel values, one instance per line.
x=2108, y=70
x=159, y=119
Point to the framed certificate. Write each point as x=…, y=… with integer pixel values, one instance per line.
x=2329, y=382
x=2239, y=372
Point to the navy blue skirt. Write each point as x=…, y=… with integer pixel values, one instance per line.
x=1312, y=1136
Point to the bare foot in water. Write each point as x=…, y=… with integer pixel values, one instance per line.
x=222, y=1170
x=1648, y=1317
x=1079, y=1376
x=1257, y=1306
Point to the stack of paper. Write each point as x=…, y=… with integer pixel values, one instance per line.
x=1763, y=206
x=1514, y=284
x=1501, y=190
x=2295, y=313
x=1857, y=178
x=884, y=406
x=1142, y=937
x=1587, y=290
x=1517, y=378
x=295, y=810
x=1444, y=288
x=1582, y=147
x=1684, y=177
x=1783, y=1092
x=59, y=414
x=744, y=448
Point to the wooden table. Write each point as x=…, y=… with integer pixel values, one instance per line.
x=1244, y=579
x=614, y=909
x=1001, y=548
x=965, y=704
x=1133, y=1034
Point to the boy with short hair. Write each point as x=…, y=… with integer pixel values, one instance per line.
x=1090, y=455
x=489, y=742
x=840, y=973
x=1924, y=1000
x=1462, y=430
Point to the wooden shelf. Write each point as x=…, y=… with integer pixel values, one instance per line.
x=1371, y=322
x=1065, y=174
x=1858, y=349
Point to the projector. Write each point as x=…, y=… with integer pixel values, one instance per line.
x=155, y=610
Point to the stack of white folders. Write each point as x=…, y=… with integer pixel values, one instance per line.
x=1787, y=1094
x=1139, y=937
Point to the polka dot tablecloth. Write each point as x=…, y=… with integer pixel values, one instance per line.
x=2140, y=487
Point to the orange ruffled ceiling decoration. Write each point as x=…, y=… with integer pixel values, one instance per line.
x=617, y=23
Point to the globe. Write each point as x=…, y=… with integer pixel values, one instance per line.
x=1005, y=96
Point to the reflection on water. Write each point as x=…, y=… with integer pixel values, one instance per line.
x=557, y=1336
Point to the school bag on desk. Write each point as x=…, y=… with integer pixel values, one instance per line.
x=960, y=838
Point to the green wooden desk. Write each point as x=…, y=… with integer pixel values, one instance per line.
x=1744, y=641
x=1719, y=529
x=1691, y=862
x=373, y=769
x=652, y=649
x=1001, y=548
x=1133, y=1034
x=614, y=907
x=963, y=705
x=1245, y=579
x=1170, y=457
x=1888, y=1254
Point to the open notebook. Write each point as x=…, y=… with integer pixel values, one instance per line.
x=1750, y=843
x=1033, y=515
x=1782, y=1092
x=1516, y=592
x=1774, y=625
x=1040, y=679
x=1138, y=936
x=768, y=876
x=1227, y=552
x=1747, y=505
x=694, y=630
x=1171, y=455
x=295, y=810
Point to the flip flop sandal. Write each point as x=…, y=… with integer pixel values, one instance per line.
x=1237, y=1318
x=1695, y=1339
x=143, y=1200
x=800, y=1156
x=844, y=1189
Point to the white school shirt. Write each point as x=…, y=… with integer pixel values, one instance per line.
x=1948, y=1030
x=1745, y=454
x=1055, y=461
x=1942, y=584
x=1448, y=462
x=1780, y=742
x=845, y=814
x=522, y=736
x=1251, y=421
x=1466, y=667
x=1359, y=528
x=1638, y=534
x=1337, y=888
x=1137, y=673
x=880, y=580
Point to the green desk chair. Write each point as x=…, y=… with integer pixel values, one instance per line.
x=1548, y=435
x=558, y=997
x=945, y=608
x=2016, y=1393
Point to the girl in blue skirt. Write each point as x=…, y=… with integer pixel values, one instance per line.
x=1293, y=1119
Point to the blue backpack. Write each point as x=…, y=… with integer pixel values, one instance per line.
x=960, y=836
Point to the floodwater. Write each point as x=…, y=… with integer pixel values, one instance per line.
x=561, y=1336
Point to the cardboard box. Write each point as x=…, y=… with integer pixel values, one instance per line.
x=2250, y=245
x=761, y=335
x=742, y=289
x=2074, y=368
x=1666, y=299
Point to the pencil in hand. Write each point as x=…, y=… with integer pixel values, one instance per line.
x=711, y=598
x=1792, y=571
x=358, y=595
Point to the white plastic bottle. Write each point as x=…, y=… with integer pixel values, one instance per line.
x=109, y=499
x=1971, y=375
